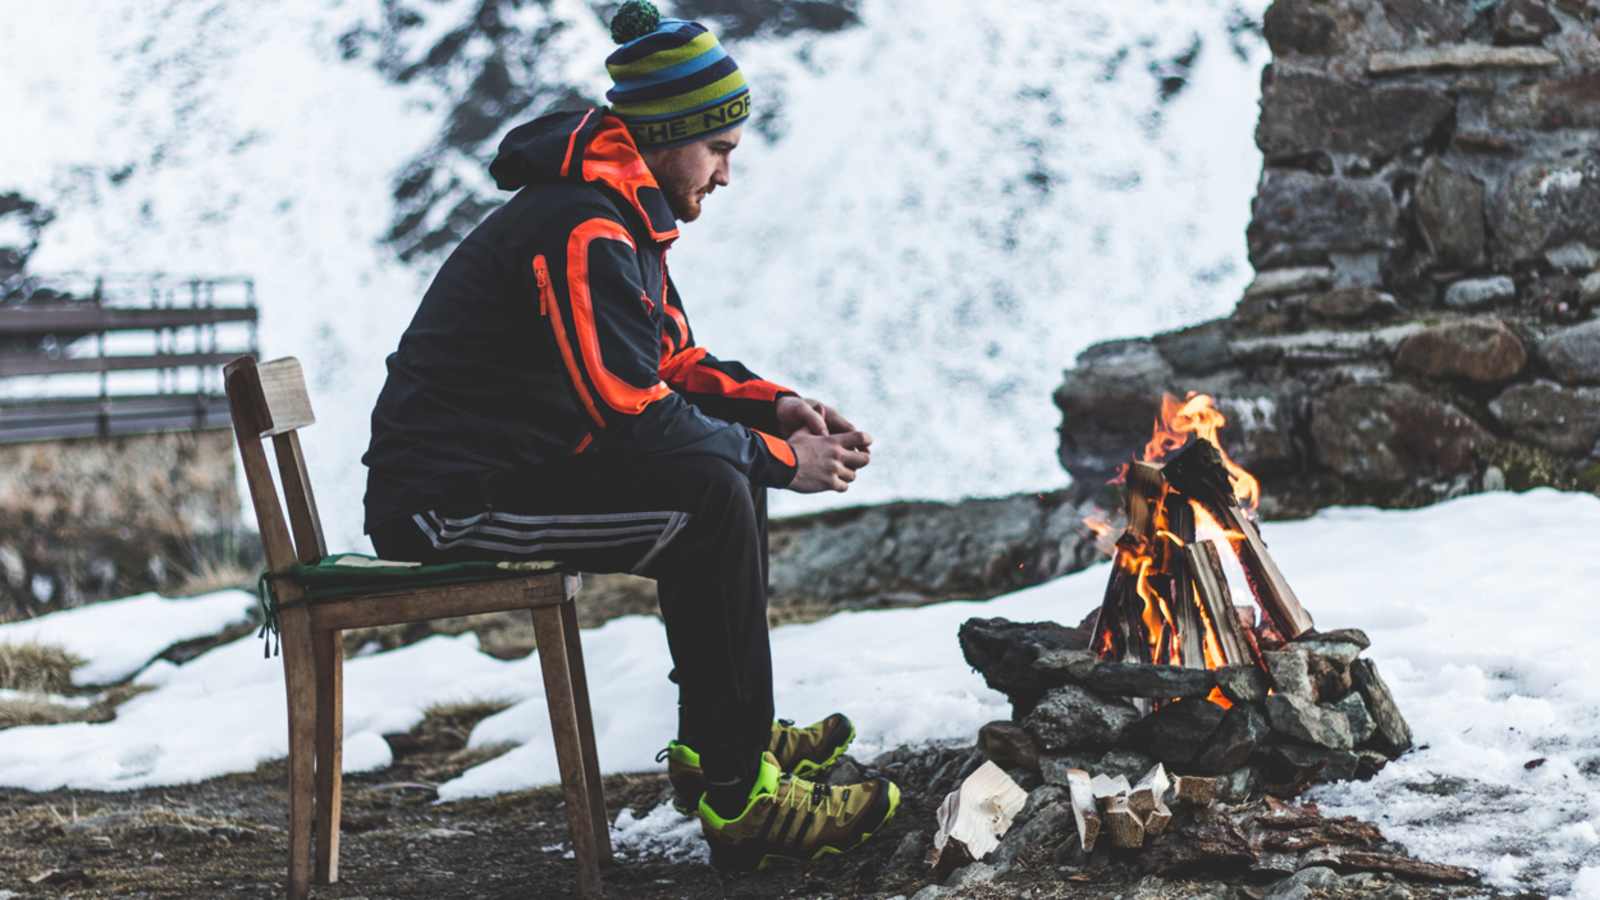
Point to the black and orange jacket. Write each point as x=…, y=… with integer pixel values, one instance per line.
x=555, y=329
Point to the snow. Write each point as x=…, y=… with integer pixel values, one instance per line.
x=118, y=638
x=660, y=833
x=924, y=242
x=1478, y=609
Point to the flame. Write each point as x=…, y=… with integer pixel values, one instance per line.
x=1105, y=535
x=1197, y=415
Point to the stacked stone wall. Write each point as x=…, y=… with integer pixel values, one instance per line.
x=1426, y=239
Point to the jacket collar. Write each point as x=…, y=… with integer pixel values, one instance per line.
x=610, y=156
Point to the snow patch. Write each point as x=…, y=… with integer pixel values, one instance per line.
x=662, y=833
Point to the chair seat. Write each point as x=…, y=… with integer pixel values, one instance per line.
x=344, y=575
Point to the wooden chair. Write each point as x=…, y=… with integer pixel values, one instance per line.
x=270, y=399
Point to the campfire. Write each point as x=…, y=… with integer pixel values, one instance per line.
x=1201, y=679
x=1189, y=508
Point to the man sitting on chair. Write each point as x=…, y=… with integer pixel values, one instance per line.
x=548, y=401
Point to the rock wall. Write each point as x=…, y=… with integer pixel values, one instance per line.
x=1426, y=239
x=84, y=520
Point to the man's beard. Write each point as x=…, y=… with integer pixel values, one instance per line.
x=686, y=205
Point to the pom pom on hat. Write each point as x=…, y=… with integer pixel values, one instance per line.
x=634, y=20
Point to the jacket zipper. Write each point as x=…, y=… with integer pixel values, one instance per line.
x=541, y=274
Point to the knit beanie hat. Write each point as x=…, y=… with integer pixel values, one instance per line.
x=674, y=82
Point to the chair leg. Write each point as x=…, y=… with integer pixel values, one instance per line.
x=299, y=676
x=591, y=760
x=553, y=663
x=330, y=751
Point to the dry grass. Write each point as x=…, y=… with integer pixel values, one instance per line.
x=42, y=710
x=212, y=575
x=446, y=726
x=35, y=667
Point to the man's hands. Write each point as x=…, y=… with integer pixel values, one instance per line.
x=827, y=448
x=800, y=414
x=828, y=462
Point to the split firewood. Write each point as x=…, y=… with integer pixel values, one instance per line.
x=1148, y=792
x=1108, y=788
x=1123, y=824
x=1194, y=790
x=1158, y=820
x=1081, y=792
x=1198, y=472
x=1213, y=598
x=974, y=816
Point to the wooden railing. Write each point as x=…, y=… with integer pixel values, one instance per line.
x=55, y=331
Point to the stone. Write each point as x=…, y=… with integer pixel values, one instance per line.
x=1459, y=56
x=1353, y=305
x=1393, y=735
x=1449, y=206
x=1071, y=717
x=1369, y=763
x=930, y=892
x=1177, y=732
x=1329, y=668
x=1062, y=666
x=1573, y=257
x=1286, y=764
x=1299, y=26
x=1198, y=349
x=1243, y=684
x=1553, y=297
x=1298, y=218
x=1238, y=785
x=1354, y=710
x=1121, y=679
x=1307, y=111
x=1007, y=745
x=1573, y=354
x=1354, y=636
x=1243, y=729
x=1290, y=673
x=1480, y=350
x=1394, y=433
x=976, y=873
x=1307, y=884
x=1572, y=102
x=1559, y=418
x=1304, y=720
x=1523, y=22
x=1036, y=832
x=1589, y=289
x=1276, y=282
x=1120, y=761
x=1477, y=293
x=1126, y=762
x=1106, y=404
x=1544, y=203
x=1006, y=652
x=1426, y=22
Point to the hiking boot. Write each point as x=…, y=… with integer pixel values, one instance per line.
x=788, y=817
x=799, y=751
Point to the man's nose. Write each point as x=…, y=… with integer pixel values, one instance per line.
x=720, y=176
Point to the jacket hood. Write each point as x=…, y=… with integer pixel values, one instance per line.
x=585, y=147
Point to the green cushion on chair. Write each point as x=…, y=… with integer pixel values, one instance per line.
x=354, y=574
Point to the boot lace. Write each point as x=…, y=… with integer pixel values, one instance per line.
x=802, y=794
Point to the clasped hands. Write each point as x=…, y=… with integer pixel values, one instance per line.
x=828, y=449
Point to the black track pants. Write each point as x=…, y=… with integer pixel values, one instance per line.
x=695, y=524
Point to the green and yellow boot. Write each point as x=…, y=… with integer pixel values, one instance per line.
x=799, y=751
x=788, y=817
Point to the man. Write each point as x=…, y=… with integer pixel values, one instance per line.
x=548, y=401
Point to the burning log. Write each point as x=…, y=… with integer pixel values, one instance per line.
x=1199, y=473
x=1215, y=601
x=1081, y=792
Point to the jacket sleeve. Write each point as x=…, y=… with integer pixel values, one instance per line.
x=591, y=294
x=723, y=388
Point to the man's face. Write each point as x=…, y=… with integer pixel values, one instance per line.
x=689, y=172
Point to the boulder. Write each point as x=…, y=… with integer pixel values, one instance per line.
x=1290, y=672
x=1571, y=102
x=1307, y=111
x=1298, y=217
x=1243, y=729
x=1122, y=679
x=1523, y=22
x=1243, y=684
x=1353, y=305
x=1460, y=56
x=1006, y=653
x=1352, y=636
x=1299, y=763
x=1544, y=203
x=1198, y=349
x=1128, y=763
x=1071, y=717
x=1354, y=710
x=1481, y=350
x=1176, y=733
x=1449, y=206
x=1008, y=746
x=1477, y=293
x=1393, y=433
x=1304, y=720
x=1393, y=735
x=1559, y=418
x=1573, y=354
x=1328, y=664
x=1299, y=26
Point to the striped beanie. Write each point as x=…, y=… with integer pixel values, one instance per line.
x=674, y=82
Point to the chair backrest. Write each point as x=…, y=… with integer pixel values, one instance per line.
x=270, y=400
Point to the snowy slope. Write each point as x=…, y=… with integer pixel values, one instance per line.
x=1490, y=663
x=955, y=199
